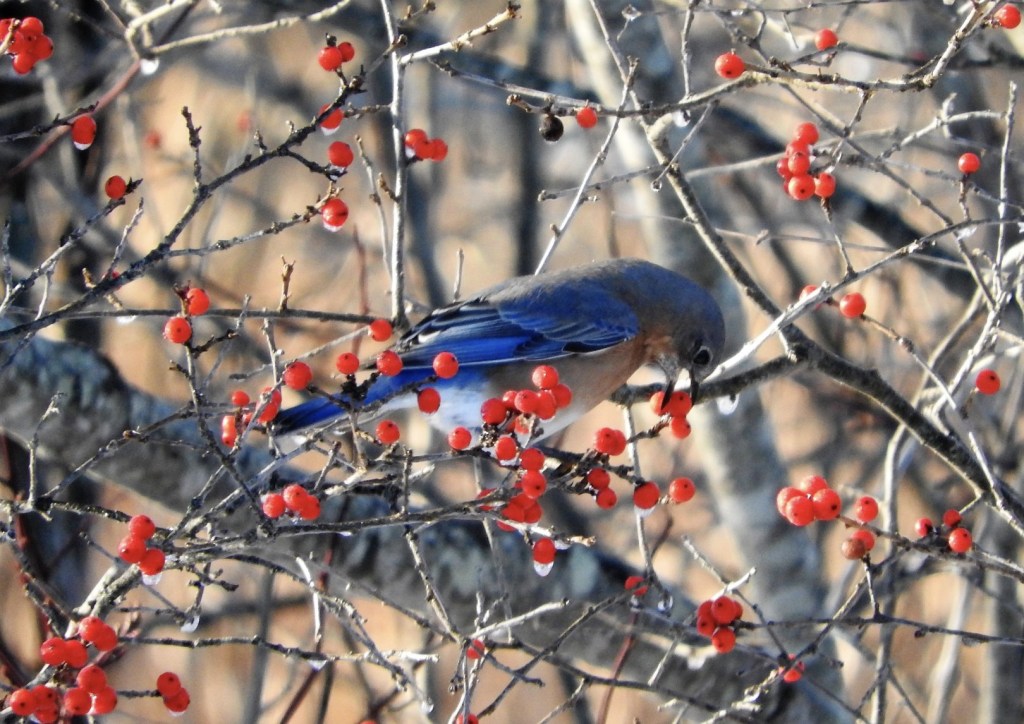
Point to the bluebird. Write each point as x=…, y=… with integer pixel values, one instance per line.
x=596, y=324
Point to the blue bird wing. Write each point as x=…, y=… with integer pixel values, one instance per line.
x=533, y=328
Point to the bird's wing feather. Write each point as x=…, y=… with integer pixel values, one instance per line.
x=534, y=328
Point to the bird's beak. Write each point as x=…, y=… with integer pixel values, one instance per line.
x=671, y=370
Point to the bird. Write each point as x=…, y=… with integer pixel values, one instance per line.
x=595, y=323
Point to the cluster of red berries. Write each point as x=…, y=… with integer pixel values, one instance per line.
x=636, y=585
x=134, y=548
x=91, y=693
x=676, y=407
x=862, y=540
x=333, y=55
x=25, y=41
x=958, y=538
x=420, y=146
x=195, y=303
x=293, y=499
x=795, y=167
x=175, y=696
x=516, y=409
x=810, y=500
x=714, y=620
x=270, y=402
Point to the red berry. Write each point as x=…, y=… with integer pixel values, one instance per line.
x=865, y=509
x=825, y=39
x=334, y=214
x=239, y=398
x=544, y=551
x=177, y=330
x=987, y=382
x=800, y=511
x=797, y=146
x=389, y=363
x=531, y=459
x=168, y=684
x=415, y=136
x=347, y=363
x=23, y=62
x=806, y=133
x=824, y=185
x=969, y=163
x=852, y=305
x=273, y=505
x=89, y=627
x=197, y=301
x=29, y=25
x=388, y=432
x=1008, y=16
x=92, y=678
x=131, y=549
x=476, y=649
x=332, y=120
x=380, y=330
x=340, y=154
x=115, y=187
x=782, y=168
x=505, y=447
x=799, y=164
x=678, y=403
x=606, y=498
x=428, y=400
x=75, y=654
x=609, y=441
x=329, y=58
x=866, y=537
x=785, y=495
x=680, y=428
x=294, y=496
x=348, y=52
x=229, y=430
x=723, y=639
x=681, y=490
x=544, y=377
x=152, y=562
x=104, y=702
x=22, y=702
x=960, y=540
x=77, y=701
x=309, y=508
x=533, y=483
x=826, y=504
x=598, y=478
x=800, y=187
x=527, y=402
x=83, y=132
x=445, y=365
x=923, y=526
x=178, y=702
x=952, y=518
x=297, y=375
x=562, y=395
x=723, y=610
x=460, y=438
x=493, y=411
x=53, y=651
x=436, y=150
x=812, y=484
x=586, y=117
x=646, y=496
x=105, y=637
x=730, y=65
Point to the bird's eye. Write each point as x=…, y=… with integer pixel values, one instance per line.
x=702, y=357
